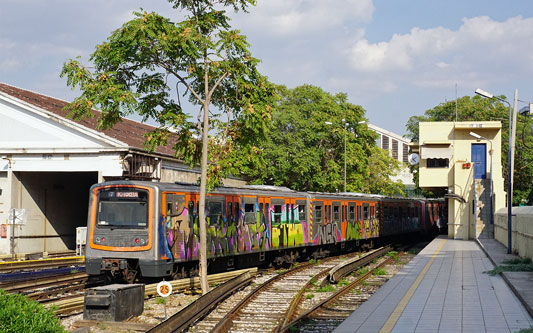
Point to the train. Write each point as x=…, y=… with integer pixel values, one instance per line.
x=142, y=229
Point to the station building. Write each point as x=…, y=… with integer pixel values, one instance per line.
x=48, y=163
x=463, y=158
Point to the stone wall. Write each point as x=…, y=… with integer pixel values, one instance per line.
x=522, y=229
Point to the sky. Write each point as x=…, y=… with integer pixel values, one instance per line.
x=395, y=58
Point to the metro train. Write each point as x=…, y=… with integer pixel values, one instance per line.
x=150, y=230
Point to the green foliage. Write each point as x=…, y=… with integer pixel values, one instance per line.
x=379, y=271
x=526, y=330
x=21, y=314
x=304, y=153
x=326, y=289
x=159, y=300
x=478, y=108
x=309, y=296
x=148, y=64
x=513, y=265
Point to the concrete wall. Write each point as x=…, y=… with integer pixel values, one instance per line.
x=522, y=230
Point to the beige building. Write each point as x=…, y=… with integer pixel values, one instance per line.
x=463, y=157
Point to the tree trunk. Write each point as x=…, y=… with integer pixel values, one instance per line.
x=202, y=220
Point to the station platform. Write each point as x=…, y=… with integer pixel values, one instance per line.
x=443, y=289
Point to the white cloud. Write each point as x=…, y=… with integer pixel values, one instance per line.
x=480, y=40
x=294, y=17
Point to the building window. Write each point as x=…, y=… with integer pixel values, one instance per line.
x=395, y=149
x=437, y=162
x=385, y=142
x=405, y=152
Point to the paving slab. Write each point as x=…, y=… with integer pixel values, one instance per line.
x=444, y=289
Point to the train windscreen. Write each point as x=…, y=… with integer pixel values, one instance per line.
x=122, y=208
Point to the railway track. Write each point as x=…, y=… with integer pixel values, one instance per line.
x=336, y=306
x=269, y=300
x=26, y=265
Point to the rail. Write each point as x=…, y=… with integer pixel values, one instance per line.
x=188, y=315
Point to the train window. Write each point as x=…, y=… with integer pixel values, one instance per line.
x=293, y=207
x=215, y=212
x=336, y=214
x=301, y=213
x=169, y=208
x=249, y=213
x=229, y=210
x=359, y=215
x=191, y=207
x=318, y=214
x=352, y=214
x=267, y=211
x=123, y=208
x=365, y=211
x=237, y=214
x=261, y=213
x=276, y=215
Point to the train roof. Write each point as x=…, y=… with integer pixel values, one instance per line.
x=263, y=190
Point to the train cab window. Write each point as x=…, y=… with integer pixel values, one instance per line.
x=336, y=214
x=365, y=211
x=318, y=214
x=215, y=212
x=352, y=213
x=119, y=208
x=276, y=214
x=249, y=213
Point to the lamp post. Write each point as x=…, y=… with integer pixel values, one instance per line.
x=344, y=124
x=477, y=136
x=509, y=172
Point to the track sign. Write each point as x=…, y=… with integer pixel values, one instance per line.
x=164, y=289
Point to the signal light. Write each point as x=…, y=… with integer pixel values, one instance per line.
x=137, y=240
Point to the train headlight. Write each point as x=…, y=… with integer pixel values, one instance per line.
x=98, y=239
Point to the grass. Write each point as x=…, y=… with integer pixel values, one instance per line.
x=379, y=271
x=326, y=289
x=526, y=330
x=343, y=282
x=309, y=296
x=394, y=255
x=362, y=271
x=512, y=265
x=159, y=300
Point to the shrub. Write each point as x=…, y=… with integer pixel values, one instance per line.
x=379, y=271
x=20, y=314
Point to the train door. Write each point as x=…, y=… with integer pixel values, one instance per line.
x=264, y=220
x=232, y=221
x=278, y=218
x=301, y=224
x=318, y=212
x=176, y=224
x=353, y=230
x=336, y=224
x=344, y=219
x=359, y=210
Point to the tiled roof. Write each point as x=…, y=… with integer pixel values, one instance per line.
x=128, y=131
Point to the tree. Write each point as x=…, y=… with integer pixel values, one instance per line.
x=477, y=108
x=137, y=68
x=302, y=152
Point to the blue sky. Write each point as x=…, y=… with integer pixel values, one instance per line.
x=395, y=58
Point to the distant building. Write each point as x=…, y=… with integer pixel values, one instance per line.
x=463, y=158
x=398, y=148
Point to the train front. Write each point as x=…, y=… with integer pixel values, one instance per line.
x=120, y=231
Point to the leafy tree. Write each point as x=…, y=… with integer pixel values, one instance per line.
x=304, y=153
x=477, y=108
x=137, y=69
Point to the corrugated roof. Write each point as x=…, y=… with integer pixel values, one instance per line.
x=128, y=131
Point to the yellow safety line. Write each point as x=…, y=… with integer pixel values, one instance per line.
x=393, y=319
x=79, y=258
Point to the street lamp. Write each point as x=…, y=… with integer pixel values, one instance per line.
x=477, y=136
x=345, y=124
x=509, y=172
